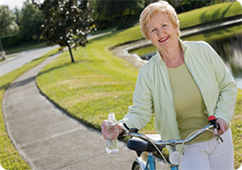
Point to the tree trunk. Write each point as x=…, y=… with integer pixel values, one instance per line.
x=2, y=52
x=1, y=45
x=72, y=59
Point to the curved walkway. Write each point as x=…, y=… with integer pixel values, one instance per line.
x=123, y=50
x=47, y=138
x=12, y=63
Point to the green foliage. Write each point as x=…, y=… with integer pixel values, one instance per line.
x=64, y=20
x=12, y=40
x=7, y=23
x=31, y=20
x=121, y=13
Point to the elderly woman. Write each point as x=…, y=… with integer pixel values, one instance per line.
x=183, y=84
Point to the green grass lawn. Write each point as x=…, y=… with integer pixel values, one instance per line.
x=97, y=84
x=9, y=157
x=100, y=83
x=210, y=14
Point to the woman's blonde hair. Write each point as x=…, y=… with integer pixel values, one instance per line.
x=160, y=7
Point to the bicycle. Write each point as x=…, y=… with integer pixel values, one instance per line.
x=143, y=143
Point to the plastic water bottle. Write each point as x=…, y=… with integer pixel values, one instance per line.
x=111, y=146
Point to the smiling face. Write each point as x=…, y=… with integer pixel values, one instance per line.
x=162, y=32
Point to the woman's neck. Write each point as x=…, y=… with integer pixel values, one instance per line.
x=173, y=57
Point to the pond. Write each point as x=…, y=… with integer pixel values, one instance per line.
x=229, y=49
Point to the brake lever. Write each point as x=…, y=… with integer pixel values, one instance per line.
x=217, y=136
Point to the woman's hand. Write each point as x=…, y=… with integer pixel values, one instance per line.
x=110, y=132
x=223, y=126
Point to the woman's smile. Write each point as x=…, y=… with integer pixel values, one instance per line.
x=164, y=39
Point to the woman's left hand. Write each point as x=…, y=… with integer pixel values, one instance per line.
x=223, y=126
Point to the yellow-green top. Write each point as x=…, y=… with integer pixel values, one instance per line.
x=189, y=104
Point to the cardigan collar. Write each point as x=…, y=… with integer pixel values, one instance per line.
x=183, y=46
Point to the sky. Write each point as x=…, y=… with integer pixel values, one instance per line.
x=12, y=3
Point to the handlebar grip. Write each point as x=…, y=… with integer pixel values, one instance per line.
x=212, y=120
x=121, y=135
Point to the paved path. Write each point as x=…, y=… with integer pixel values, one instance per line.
x=22, y=58
x=49, y=139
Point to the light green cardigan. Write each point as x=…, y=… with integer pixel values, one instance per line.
x=153, y=92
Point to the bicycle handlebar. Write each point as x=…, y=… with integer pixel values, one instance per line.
x=213, y=125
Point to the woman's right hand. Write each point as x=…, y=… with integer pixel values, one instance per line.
x=110, y=132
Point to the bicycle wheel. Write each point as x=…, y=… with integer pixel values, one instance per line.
x=136, y=166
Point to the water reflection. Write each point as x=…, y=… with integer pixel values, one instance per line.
x=228, y=48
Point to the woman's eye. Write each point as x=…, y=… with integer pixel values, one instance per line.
x=164, y=25
x=153, y=30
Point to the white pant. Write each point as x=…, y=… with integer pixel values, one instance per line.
x=209, y=155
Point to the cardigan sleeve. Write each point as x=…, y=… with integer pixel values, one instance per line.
x=226, y=85
x=142, y=109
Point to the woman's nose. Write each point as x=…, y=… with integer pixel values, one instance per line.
x=159, y=31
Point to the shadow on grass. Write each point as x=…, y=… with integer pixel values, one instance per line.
x=216, y=15
x=60, y=67
x=23, y=82
x=225, y=11
x=202, y=17
x=54, y=68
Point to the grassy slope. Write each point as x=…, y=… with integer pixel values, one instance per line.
x=9, y=157
x=98, y=82
x=208, y=14
x=236, y=126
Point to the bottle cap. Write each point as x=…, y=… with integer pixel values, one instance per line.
x=111, y=116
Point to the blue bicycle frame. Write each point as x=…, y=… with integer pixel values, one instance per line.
x=151, y=164
x=139, y=146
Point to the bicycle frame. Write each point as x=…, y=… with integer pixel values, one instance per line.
x=140, y=147
x=150, y=163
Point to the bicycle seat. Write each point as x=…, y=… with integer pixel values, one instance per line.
x=137, y=144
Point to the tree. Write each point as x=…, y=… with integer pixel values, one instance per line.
x=7, y=24
x=30, y=22
x=66, y=22
x=17, y=12
x=147, y=2
x=118, y=11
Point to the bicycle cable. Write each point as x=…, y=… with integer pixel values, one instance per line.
x=157, y=150
x=179, y=161
x=186, y=140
